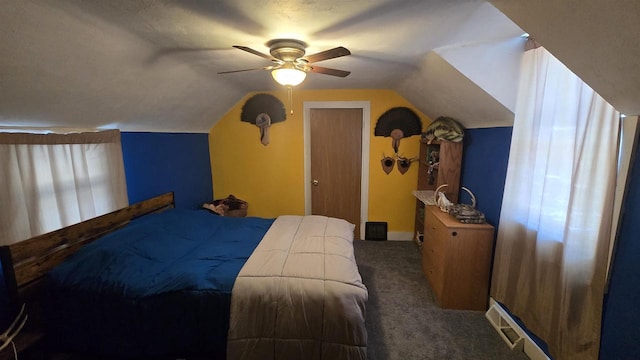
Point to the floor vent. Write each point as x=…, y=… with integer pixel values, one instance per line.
x=514, y=335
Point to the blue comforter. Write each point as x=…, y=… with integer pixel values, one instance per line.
x=171, y=251
x=159, y=286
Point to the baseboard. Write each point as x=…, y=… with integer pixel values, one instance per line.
x=512, y=333
x=399, y=236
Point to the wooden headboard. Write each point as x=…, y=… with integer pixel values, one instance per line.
x=26, y=262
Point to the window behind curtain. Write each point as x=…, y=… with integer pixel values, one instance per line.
x=555, y=222
x=49, y=181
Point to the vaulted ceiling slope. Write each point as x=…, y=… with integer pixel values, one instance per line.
x=596, y=39
x=153, y=65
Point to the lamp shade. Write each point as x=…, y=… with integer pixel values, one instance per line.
x=288, y=76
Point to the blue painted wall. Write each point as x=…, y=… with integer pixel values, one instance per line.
x=621, y=322
x=484, y=168
x=156, y=163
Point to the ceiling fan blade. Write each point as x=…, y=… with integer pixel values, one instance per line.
x=329, y=71
x=254, y=52
x=235, y=71
x=328, y=54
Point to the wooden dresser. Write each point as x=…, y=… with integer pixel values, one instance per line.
x=456, y=259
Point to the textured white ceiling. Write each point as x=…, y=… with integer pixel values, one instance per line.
x=151, y=65
x=596, y=39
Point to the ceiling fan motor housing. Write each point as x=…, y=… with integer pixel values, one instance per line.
x=288, y=50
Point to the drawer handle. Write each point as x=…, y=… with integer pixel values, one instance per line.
x=454, y=233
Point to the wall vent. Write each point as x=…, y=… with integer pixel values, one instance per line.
x=375, y=230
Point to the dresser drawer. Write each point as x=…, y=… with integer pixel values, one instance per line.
x=434, y=271
x=435, y=235
x=433, y=252
x=433, y=263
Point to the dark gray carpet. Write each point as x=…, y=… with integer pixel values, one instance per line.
x=403, y=320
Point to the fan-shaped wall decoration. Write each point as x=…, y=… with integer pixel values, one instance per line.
x=263, y=110
x=398, y=123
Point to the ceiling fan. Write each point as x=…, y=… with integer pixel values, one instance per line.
x=291, y=64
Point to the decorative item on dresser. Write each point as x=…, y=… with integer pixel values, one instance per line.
x=456, y=259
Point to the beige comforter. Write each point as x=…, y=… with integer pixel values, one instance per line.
x=300, y=295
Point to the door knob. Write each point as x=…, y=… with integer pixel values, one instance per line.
x=315, y=182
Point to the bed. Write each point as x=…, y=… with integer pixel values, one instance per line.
x=152, y=281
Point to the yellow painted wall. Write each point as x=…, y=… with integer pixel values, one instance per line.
x=271, y=177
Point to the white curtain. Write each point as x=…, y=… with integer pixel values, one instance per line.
x=50, y=181
x=553, y=237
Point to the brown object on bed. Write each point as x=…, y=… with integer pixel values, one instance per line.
x=26, y=262
x=229, y=206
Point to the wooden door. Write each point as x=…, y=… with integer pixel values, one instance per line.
x=336, y=163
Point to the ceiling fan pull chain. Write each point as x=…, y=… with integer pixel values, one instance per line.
x=290, y=96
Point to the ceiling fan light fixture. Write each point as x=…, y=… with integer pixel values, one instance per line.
x=288, y=76
x=289, y=63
